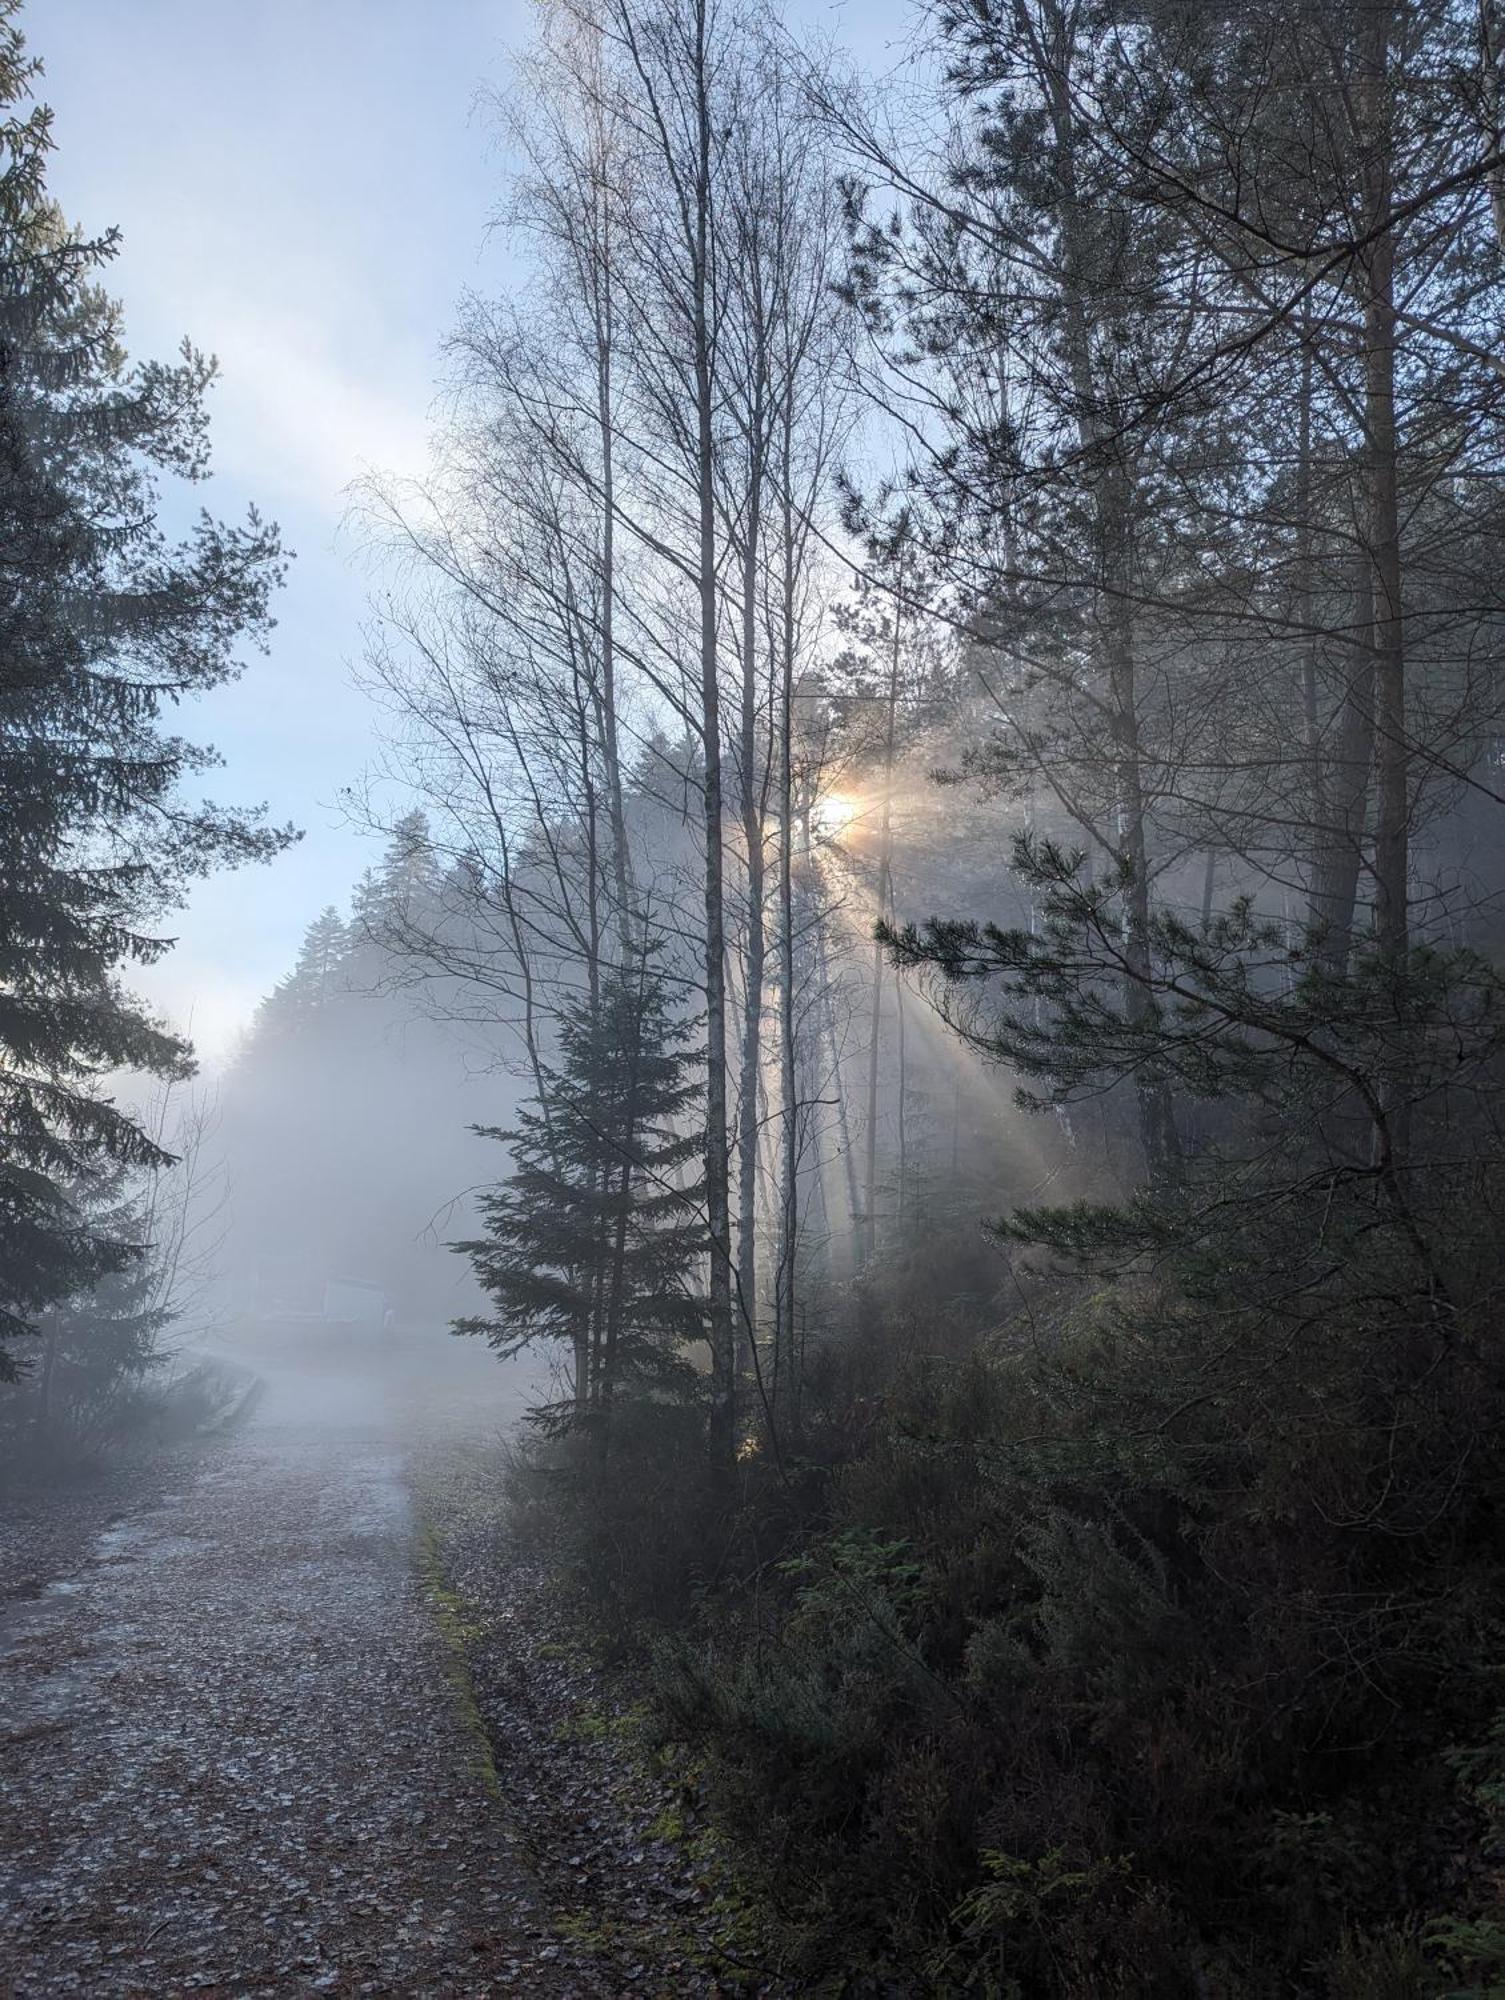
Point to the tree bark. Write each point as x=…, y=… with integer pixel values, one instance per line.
x=1113, y=498
x=786, y=1372
x=722, y=1325
x=885, y=909
x=1391, y=774
x=752, y=802
x=1341, y=834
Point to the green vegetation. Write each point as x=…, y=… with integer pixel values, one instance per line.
x=458, y=1630
x=108, y=624
x=1128, y=1640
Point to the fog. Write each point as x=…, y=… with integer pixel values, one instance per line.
x=752, y=1000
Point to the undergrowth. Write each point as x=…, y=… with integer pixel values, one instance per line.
x=1036, y=1670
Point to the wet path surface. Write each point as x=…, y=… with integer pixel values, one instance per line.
x=230, y=1760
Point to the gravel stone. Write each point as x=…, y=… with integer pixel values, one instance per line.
x=232, y=1760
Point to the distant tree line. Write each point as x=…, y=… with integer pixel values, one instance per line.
x=343, y=1111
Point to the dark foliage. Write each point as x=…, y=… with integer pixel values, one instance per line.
x=105, y=623
x=593, y=1240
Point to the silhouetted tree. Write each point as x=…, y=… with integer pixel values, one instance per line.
x=594, y=1239
x=105, y=622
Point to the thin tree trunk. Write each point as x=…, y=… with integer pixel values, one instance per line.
x=827, y=1005
x=722, y=1326
x=611, y=749
x=593, y=896
x=617, y=1288
x=1113, y=499
x=1491, y=58
x=1340, y=855
x=869, y=1230
x=1392, y=803
x=885, y=909
x=51, y=1325
x=1157, y=1123
x=901, y=1088
x=751, y=799
x=784, y=1336
x=1306, y=610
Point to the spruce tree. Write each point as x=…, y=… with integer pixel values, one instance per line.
x=99, y=1346
x=105, y=622
x=594, y=1240
x=319, y=977
x=395, y=909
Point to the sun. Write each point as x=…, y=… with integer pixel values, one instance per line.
x=834, y=814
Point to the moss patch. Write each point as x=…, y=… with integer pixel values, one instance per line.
x=458, y=1629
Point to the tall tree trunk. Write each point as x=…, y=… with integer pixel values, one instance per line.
x=831, y=1036
x=621, y=858
x=868, y=1235
x=885, y=909
x=1306, y=615
x=1491, y=66
x=51, y=1327
x=1391, y=774
x=1392, y=802
x=722, y=1324
x=1341, y=834
x=901, y=1120
x=1157, y=1124
x=1114, y=498
x=594, y=879
x=623, y=1178
x=786, y=1375
x=752, y=791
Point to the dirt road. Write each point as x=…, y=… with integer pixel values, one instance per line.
x=231, y=1760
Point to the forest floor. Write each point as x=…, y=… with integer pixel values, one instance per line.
x=240, y=1745
x=617, y=1831
x=50, y=1523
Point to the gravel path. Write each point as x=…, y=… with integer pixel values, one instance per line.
x=231, y=1760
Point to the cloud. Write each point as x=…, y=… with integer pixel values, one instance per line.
x=293, y=418
x=301, y=191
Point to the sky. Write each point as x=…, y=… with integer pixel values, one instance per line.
x=303, y=188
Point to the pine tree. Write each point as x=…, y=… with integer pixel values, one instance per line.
x=99, y=1345
x=395, y=908
x=594, y=1239
x=1290, y=1060
x=320, y=974
x=104, y=622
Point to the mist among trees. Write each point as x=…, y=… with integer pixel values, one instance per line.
x=932, y=958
